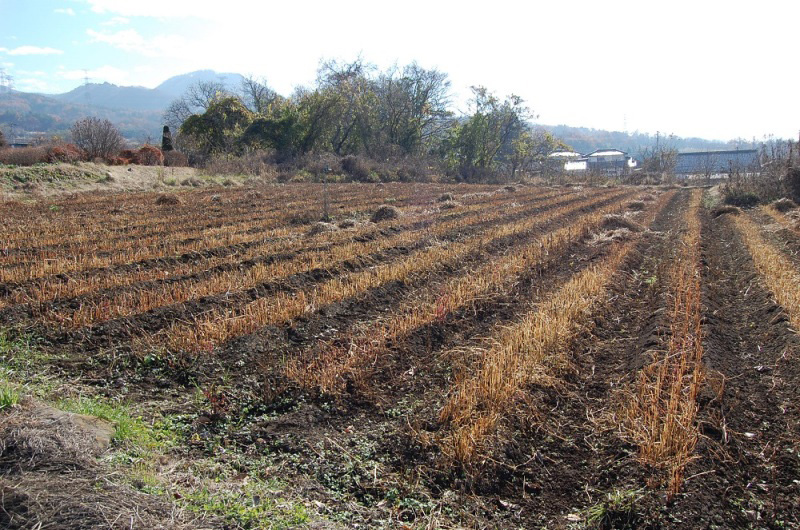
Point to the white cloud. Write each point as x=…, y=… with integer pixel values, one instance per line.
x=116, y=21
x=110, y=74
x=130, y=40
x=32, y=85
x=65, y=11
x=31, y=50
x=153, y=8
x=587, y=65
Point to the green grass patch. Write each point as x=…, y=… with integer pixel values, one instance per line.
x=251, y=505
x=129, y=430
x=9, y=396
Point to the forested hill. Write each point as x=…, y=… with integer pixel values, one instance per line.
x=585, y=140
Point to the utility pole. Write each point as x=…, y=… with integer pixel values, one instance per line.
x=325, y=202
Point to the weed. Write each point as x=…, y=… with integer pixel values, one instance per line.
x=252, y=505
x=617, y=510
x=9, y=396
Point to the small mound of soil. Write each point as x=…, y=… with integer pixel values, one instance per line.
x=477, y=194
x=167, y=200
x=636, y=206
x=321, y=227
x=216, y=198
x=385, y=213
x=647, y=197
x=619, y=234
x=616, y=221
x=727, y=209
x=449, y=205
x=444, y=197
x=347, y=223
x=784, y=205
x=191, y=181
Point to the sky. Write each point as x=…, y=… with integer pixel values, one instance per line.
x=705, y=68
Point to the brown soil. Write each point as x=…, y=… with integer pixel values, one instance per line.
x=365, y=456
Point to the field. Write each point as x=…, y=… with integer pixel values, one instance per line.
x=474, y=357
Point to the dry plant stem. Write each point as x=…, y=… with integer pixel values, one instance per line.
x=221, y=325
x=535, y=349
x=327, y=371
x=242, y=278
x=260, y=242
x=660, y=416
x=777, y=271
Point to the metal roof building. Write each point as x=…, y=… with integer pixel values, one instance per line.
x=710, y=162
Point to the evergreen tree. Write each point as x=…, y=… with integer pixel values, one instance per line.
x=166, y=140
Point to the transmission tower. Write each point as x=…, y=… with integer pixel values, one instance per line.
x=86, y=94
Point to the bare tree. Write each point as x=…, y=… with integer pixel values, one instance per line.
x=195, y=100
x=257, y=95
x=99, y=138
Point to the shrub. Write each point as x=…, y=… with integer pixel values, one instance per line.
x=356, y=168
x=784, y=205
x=23, y=156
x=259, y=163
x=149, y=155
x=65, y=153
x=116, y=161
x=742, y=199
x=99, y=138
x=128, y=155
x=175, y=159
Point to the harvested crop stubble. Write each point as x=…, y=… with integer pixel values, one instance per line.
x=251, y=246
x=245, y=276
x=660, y=414
x=532, y=350
x=522, y=354
x=221, y=325
x=329, y=370
x=778, y=272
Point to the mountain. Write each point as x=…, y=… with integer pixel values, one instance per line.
x=32, y=115
x=135, y=110
x=117, y=97
x=585, y=140
x=176, y=86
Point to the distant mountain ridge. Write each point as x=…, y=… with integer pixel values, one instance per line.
x=135, y=110
x=585, y=140
x=111, y=96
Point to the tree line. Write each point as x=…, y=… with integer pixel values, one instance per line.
x=355, y=110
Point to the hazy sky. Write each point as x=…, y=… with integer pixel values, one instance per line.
x=702, y=68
